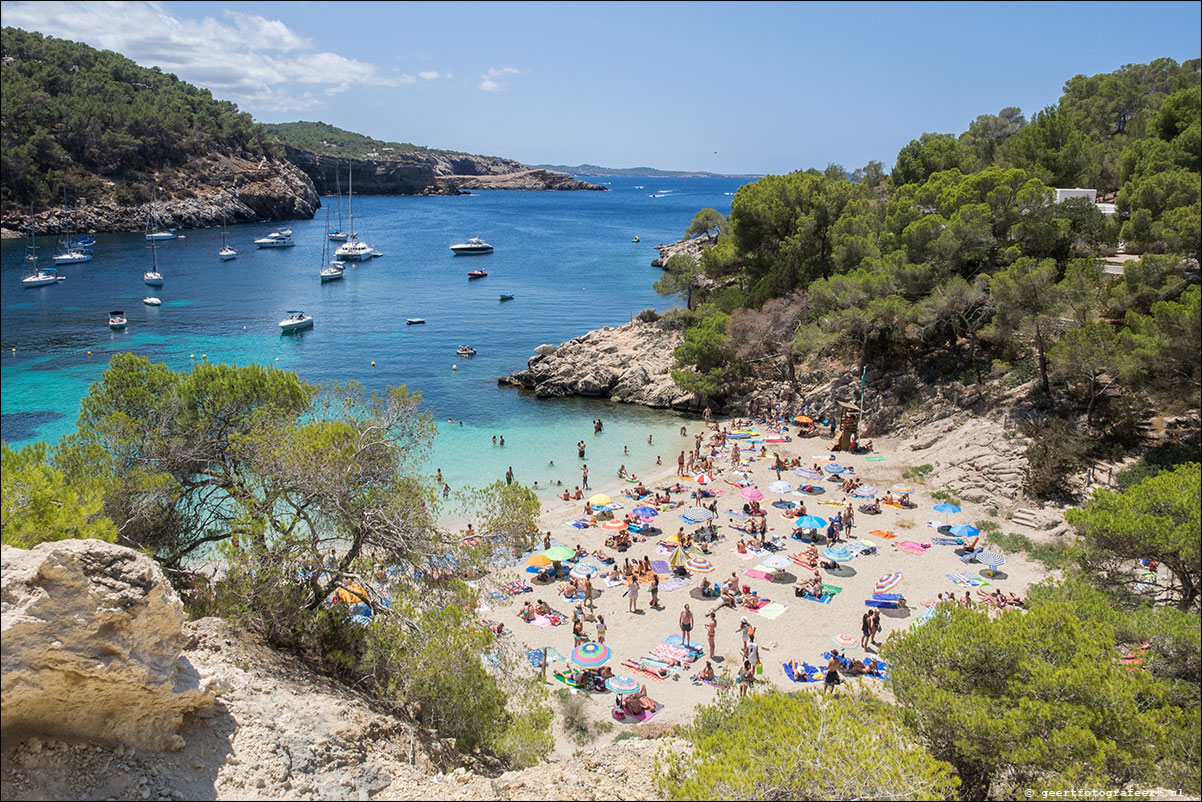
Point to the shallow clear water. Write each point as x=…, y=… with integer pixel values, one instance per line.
x=567, y=257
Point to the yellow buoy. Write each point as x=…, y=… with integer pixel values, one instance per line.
x=191, y=356
x=89, y=353
x=373, y=364
x=277, y=359
x=454, y=367
x=204, y=356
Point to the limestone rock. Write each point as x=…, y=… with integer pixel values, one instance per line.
x=92, y=637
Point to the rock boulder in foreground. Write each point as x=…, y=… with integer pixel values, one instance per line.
x=92, y=637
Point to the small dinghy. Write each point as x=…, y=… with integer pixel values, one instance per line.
x=415, y=321
x=152, y=301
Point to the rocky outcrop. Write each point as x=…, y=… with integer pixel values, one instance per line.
x=91, y=646
x=241, y=190
x=689, y=247
x=631, y=364
x=425, y=173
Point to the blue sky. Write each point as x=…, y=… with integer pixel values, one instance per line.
x=726, y=87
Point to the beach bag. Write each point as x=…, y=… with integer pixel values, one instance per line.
x=759, y=668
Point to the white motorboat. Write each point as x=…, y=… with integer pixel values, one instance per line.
x=415, y=321
x=475, y=245
x=353, y=249
x=162, y=235
x=465, y=350
x=296, y=321
x=153, y=277
x=72, y=256
x=152, y=301
x=117, y=320
x=276, y=239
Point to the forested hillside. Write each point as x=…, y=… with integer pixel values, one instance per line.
x=960, y=263
x=98, y=124
x=327, y=140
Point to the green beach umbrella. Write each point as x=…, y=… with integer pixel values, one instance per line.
x=559, y=554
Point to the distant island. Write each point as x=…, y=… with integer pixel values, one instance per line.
x=649, y=172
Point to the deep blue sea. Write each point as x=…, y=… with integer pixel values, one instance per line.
x=567, y=257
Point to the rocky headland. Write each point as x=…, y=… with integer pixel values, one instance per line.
x=689, y=247
x=426, y=173
x=196, y=196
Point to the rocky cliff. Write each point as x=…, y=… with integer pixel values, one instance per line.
x=689, y=247
x=631, y=364
x=419, y=173
x=195, y=196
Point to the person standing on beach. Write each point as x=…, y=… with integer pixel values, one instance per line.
x=584, y=477
x=655, y=591
x=686, y=624
x=680, y=464
x=849, y=518
x=711, y=629
x=707, y=414
x=876, y=625
x=601, y=628
x=632, y=590
x=865, y=628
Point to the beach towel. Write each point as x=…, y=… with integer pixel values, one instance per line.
x=614, y=583
x=825, y=598
x=773, y=611
x=967, y=579
x=860, y=547
x=947, y=541
x=762, y=603
x=881, y=533
x=642, y=672
x=801, y=676
x=660, y=567
x=884, y=604
x=541, y=621
x=675, y=583
x=911, y=547
x=756, y=573
x=748, y=555
x=644, y=716
x=676, y=640
x=874, y=458
x=664, y=549
x=897, y=506
x=535, y=656
x=833, y=590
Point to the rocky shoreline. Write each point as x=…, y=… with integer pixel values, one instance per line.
x=689, y=247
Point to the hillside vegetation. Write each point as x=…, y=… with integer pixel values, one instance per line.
x=99, y=125
x=327, y=140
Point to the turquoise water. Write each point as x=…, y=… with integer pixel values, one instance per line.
x=567, y=257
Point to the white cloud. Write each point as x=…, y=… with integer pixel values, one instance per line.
x=493, y=79
x=429, y=75
x=254, y=61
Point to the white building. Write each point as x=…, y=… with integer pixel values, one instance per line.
x=1092, y=194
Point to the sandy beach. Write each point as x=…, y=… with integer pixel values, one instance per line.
x=804, y=629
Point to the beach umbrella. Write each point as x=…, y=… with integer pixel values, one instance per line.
x=807, y=474
x=777, y=562
x=616, y=525
x=540, y=561
x=801, y=419
x=946, y=509
x=900, y=488
x=810, y=522
x=582, y=571
x=888, y=582
x=600, y=500
x=846, y=641
x=559, y=554
x=622, y=684
x=751, y=494
x=645, y=512
x=835, y=467
x=678, y=558
x=699, y=565
x=590, y=654
x=703, y=478
x=864, y=491
x=992, y=559
x=780, y=487
x=697, y=515
x=964, y=530
x=837, y=553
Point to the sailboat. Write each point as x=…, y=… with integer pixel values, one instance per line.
x=152, y=224
x=226, y=253
x=71, y=254
x=333, y=270
x=153, y=277
x=337, y=234
x=37, y=277
x=354, y=250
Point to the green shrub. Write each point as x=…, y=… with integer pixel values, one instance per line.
x=1055, y=455
x=38, y=504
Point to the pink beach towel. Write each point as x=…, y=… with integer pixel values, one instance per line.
x=748, y=556
x=755, y=573
x=911, y=547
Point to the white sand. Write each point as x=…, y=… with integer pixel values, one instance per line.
x=805, y=630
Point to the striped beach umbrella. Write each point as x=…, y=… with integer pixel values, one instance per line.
x=991, y=558
x=622, y=684
x=697, y=515
x=807, y=474
x=946, y=509
x=838, y=554
x=703, y=478
x=699, y=565
x=846, y=641
x=616, y=525
x=751, y=494
x=835, y=468
x=900, y=488
x=888, y=582
x=590, y=654
x=810, y=522
x=582, y=571
x=864, y=491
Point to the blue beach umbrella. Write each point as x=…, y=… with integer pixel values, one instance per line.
x=810, y=522
x=946, y=508
x=837, y=553
x=645, y=512
x=964, y=530
x=834, y=467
